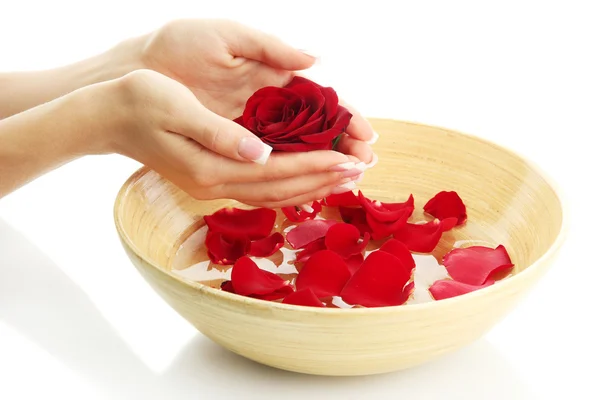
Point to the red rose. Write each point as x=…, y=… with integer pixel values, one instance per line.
x=301, y=116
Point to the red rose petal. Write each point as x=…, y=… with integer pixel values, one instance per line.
x=249, y=280
x=378, y=282
x=354, y=262
x=399, y=249
x=409, y=203
x=346, y=199
x=298, y=80
x=447, y=205
x=356, y=217
x=423, y=238
x=310, y=249
x=295, y=215
x=407, y=292
x=227, y=287
x=382, y=230
x=276, y=295
x=304, y=297
x=249, y=224
x=223, y=250
x=345, y=240
x=325, y=273
x=446, y=288
x=387, y=212
x=266, y=247
x=475, y=265
x=309, y=231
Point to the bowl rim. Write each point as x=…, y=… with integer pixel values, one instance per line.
x=238, y=300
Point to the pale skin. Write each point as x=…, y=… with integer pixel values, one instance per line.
x=166, y=99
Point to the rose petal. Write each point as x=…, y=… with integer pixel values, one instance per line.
x=399, y=249
x=310, y=249
x=346, y=199
x=227, y=287
x=356, y=217
x=423, y=238
x=249, y=280
x=387, y=212
x=223, y=250
x=378, y=282
x=311, y=94
x=270, y=110
x=325, y=273
x=345, y=240
x=309, y=231
x=446, y=288
x=276, y=295
x=447, y=205
x=304, y=297
x=295, y=215
x=266, y=247
x=297, y=80
x=299, y=147
x=475, y=265
x=331, y=103
x=407, y=292
x=234, y=222
x=354, y=262
x=382, y=230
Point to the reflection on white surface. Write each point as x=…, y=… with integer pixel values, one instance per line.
x=43, y=305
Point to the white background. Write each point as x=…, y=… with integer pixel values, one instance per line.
x=76, y=320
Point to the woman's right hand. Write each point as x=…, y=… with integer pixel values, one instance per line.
x=160, y=123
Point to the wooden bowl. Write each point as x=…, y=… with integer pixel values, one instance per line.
x=509, y=201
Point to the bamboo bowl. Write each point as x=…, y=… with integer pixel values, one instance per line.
x=509, y=201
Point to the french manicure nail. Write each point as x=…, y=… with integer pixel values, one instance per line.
x=254, y=149
x=307, y=208
x=343, y=188
x=373, y=162
x=361, y=166
x=309, y=53
x=374, y=138
x=342, y=167
x=352, y=172
x=358, y=178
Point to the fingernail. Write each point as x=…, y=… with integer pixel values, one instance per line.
x=309, y=53
x=352, y=172
x=373, y=162
x=342, y=167
x=358, y=178
x=374, y=138
x=254, y=149
x=361, y=166
x=307, y=208
x=343, y=188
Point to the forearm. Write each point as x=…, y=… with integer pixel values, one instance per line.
x=46, y=137
x=20, y=91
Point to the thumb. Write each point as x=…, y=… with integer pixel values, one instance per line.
x=225, y=137
x=256, y=45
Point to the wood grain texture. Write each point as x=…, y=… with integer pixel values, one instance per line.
x=509, y=201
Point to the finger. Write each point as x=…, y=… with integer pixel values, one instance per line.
x=284, y=189
x=253, y=44
x=308, y=198
x=359, y=128
x=223, y=136
x=279, y=166
x=357, y=148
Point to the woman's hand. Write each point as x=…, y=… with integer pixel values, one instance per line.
x=160, y=123
x=223, y=63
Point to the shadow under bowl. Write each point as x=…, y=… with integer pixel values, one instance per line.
x=509, y=201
